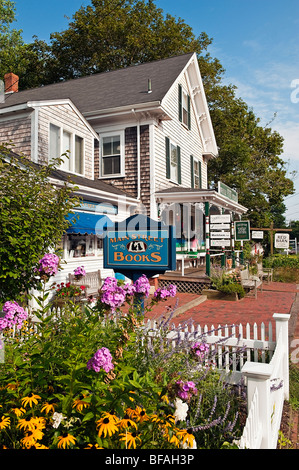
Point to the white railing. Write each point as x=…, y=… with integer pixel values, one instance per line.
x=267, y=388
x=230, y=345
x=262, y=363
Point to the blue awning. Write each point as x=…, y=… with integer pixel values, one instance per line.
x=82, y=222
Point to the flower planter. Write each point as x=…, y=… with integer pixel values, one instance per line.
x=217, y=295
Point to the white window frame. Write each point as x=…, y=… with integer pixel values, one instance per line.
x=71, y=155
x=174, y=178
x=185, y=112
x=121, y=134
x=199, y=176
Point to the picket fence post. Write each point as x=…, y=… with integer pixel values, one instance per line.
x=258, y=378
x=282, y=328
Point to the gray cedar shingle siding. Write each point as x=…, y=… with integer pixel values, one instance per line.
x=129, y=182
x=18, y=131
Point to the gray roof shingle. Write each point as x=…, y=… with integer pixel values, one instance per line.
x=123, y=87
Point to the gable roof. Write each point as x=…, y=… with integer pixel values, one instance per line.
x=123, y=87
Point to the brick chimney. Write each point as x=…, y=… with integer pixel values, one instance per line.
x=11, y=83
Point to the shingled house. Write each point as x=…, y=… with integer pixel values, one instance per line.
x=136, y=137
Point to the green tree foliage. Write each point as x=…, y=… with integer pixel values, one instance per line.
x=249, y=158
x=15, y=55
x=32, y=214
x=111, y=34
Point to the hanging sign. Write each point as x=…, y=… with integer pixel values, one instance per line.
x=257, y=234
x=282, y=240
x=220, y=219
x=242, y=230
x=140, y=245
x=220, y=243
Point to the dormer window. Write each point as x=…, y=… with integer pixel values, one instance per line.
x=68, y=146
x=184, y=108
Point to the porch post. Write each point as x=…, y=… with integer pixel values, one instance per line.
x=233, y=241
x=208, y=257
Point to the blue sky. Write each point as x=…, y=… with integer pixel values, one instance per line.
x=256, y=41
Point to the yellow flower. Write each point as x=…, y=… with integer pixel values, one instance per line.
x=80, y=404
x=26, y=424
x=12, y=386
x=141, y=414
x=165, y=420
x=38, y=422
x=93, y=446
x=48, y=408
x=126, y=422
x=186, y=436
x=31, y=437
x=65, y=440
x=131, y=439
x=18, y=411
x=107, y=424
x=5, y=422
x=30, y=400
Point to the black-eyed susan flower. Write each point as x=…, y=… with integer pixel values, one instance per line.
x=186, y=436
x=30, y=400
x=65, y=440
x=107, y=425
x=93, y=446
x=26, y=424
x=48, y=408
x=126, y=422
x=31, y=437
x=38, y=422
x=131, y=439
x=163, y=419
x=140, y=414
x=80, y=404
x=5, y=422
x=18, y=411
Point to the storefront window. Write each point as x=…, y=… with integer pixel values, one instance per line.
x=79, y=246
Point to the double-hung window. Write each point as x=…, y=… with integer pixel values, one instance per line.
x=173, y=161
x=112, y=155
x=69, y=147
x=184, y=107
x=195, y=166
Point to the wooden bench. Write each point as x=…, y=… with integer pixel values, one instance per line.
x=264, y=273
x=92, y=281
x=250, y=283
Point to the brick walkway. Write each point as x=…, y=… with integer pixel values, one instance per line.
x=275, y=298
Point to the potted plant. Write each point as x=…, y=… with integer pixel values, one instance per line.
x=225, y=285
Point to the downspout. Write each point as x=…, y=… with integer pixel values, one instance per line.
x=138, y=157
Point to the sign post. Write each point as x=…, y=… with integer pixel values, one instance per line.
x=139, y=245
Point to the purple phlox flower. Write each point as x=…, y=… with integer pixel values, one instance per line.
x=186, y=390
x=200, y=349
x=102, y=359
x=80, y=271
x=161, y=293
x=48, y=264
x=142, y=285
x=14, y=315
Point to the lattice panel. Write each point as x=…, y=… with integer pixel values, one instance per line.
x=192, y=287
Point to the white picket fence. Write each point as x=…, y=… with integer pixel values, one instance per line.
x=256, y=355
x=251, y=355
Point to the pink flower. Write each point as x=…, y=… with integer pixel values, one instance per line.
x=14, y=315
x=102, y=359
x=48, y=264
